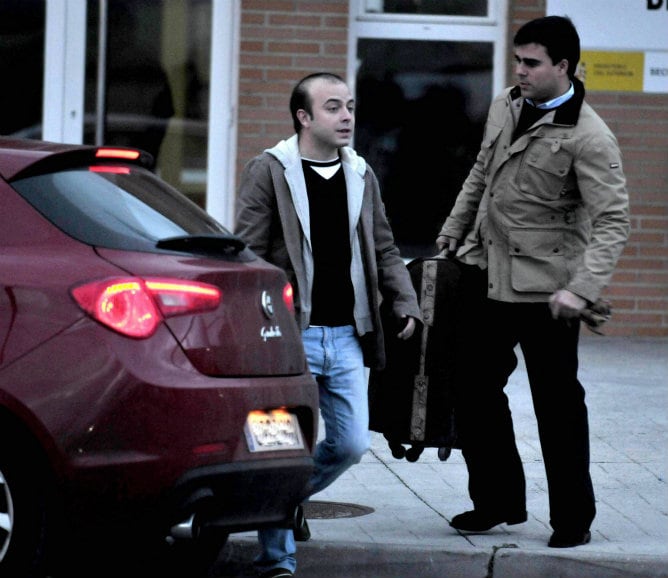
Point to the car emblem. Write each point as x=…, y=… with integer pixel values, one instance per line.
x=271, y=332
x=267, y=305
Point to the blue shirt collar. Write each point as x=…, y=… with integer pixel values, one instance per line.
x=555, y=102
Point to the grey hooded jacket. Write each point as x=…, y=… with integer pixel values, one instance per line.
x=273, y=218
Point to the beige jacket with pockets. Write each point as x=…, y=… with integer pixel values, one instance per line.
x=548, y=211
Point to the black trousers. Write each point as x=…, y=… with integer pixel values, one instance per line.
x=490, y=332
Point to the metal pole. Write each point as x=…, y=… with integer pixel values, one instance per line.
x=100, y=109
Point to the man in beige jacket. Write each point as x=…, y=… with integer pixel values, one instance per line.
x=542, y=217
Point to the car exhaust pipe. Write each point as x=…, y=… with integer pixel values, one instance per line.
x=185, y=530
x=300, y=527
x=189, y=528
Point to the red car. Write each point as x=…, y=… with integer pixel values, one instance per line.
x=151, y=370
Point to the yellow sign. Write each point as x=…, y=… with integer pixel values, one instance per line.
x=615, y=71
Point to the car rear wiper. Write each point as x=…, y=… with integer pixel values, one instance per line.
x=206, y=244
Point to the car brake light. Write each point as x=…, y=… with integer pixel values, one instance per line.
x=108, y=169
x=288, y=297
x=135, y=307
x=112, y=153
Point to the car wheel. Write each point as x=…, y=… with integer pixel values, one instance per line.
x=22, y=510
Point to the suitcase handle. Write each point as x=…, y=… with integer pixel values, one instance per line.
x=445, y=254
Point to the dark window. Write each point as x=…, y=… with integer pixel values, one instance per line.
x=421, y=108
x=439, y=7
x=22, y=24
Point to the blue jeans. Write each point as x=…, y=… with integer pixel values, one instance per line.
x=335, y=359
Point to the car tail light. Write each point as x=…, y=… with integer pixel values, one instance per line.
x=113, y=153
x=108, y=169
x=288, y=297
x=135, y=307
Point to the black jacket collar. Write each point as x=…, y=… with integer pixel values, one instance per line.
x=569, y=112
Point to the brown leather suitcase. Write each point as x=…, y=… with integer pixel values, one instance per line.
x=411, y=401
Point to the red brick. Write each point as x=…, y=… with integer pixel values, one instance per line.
x=294, y=47
x=304, y=20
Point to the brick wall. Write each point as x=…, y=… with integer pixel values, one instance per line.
x=639, y=289
x=282, y=40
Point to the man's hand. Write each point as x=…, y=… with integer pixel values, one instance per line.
x=408, y=329
x=448, y=244
x=565, y=304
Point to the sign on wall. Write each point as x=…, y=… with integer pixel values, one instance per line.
x=624, y=42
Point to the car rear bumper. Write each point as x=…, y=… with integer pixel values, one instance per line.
x=233, y=497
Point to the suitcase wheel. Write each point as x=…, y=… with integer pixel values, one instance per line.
x=444, y=453
x=413, y=453
x=398, y=451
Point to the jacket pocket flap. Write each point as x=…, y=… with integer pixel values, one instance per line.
x=536, y=242
x=549, y=157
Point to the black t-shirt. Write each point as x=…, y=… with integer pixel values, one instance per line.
x=332, y=297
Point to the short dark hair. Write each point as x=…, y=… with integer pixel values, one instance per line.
x=557, y=34
x=300, y=96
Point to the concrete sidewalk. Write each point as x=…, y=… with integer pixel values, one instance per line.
x=396, y=512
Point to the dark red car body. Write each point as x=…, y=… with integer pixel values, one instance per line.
x=146, y=430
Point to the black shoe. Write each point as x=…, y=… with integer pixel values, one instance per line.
x=479, y=521
x=561, y=539
x=277, y=573
x=301, y=531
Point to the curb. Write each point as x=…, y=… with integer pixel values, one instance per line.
x=354, y=560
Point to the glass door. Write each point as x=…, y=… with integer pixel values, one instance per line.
x=157, y=69
x=155, y=74
x=424, y=75
x=22, y=33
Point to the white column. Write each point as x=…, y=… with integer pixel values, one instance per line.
x=223, y=107
x=64, y=71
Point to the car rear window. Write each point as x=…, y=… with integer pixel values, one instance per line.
x=116, y=207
